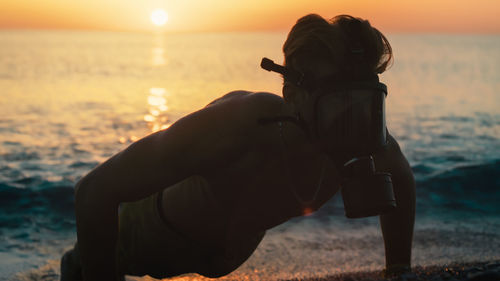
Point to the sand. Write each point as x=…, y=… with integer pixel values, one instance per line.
x=474, y=271
x=479, y=271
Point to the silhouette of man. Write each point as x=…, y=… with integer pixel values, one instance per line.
x=199, y=196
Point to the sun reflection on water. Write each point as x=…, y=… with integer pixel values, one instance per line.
x=158, y=51
x=157, y=118
x=158, y=56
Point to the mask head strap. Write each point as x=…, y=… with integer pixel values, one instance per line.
x=294, y=76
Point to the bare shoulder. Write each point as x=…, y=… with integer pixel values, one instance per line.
x=234, y=115
x=240, y=112
x=249, y=100
x=245, y=108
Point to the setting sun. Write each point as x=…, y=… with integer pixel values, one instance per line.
x=159, y=17
x=443, y=16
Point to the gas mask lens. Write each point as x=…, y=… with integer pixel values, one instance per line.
x=346, y=119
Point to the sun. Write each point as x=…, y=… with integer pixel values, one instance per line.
x=159, y=17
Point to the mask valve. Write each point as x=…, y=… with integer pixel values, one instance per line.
x=366, y=192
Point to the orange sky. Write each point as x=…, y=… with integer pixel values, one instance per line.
x=457, y=16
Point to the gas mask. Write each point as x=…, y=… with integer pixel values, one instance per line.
x=351, y=117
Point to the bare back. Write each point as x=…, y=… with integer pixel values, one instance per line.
x=252, y=192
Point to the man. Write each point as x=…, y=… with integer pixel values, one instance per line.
x=199, y=196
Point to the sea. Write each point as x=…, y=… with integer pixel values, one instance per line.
x=71, y=99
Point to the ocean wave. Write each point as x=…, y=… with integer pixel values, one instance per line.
x=21, y=156
x=461, y=190
x=26, y=207
x=473, y=188
x=464, y=179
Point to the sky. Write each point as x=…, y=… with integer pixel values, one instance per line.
x=436, y=16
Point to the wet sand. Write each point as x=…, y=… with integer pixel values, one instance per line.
x=475, y=271
x=479, y=271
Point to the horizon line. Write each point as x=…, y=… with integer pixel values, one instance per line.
x=243, y=30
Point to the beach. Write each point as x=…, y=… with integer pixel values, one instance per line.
x=72, y=99
x=468, y=271
x=479, y=271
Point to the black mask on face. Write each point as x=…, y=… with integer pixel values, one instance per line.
x=350, y=131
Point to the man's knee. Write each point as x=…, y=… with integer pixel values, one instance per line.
x=71, y=268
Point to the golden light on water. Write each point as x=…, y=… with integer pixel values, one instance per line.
x=157, y=117
x=157, y=100
x=158, y=56
x=159, y=17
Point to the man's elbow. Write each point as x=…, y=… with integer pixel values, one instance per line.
x=80, y=195
x=86, y=192
x=78, y=187
x=92, y=194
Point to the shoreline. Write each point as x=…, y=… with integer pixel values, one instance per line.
x=470, y=271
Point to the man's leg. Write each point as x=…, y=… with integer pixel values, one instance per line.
x=71, y=269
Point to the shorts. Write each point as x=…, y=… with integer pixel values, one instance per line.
x=149, y=245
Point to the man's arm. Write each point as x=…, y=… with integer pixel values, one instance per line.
x=202, y=140
x=397, y=227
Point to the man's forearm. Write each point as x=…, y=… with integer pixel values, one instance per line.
x=397, y=227
x=97, y=230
